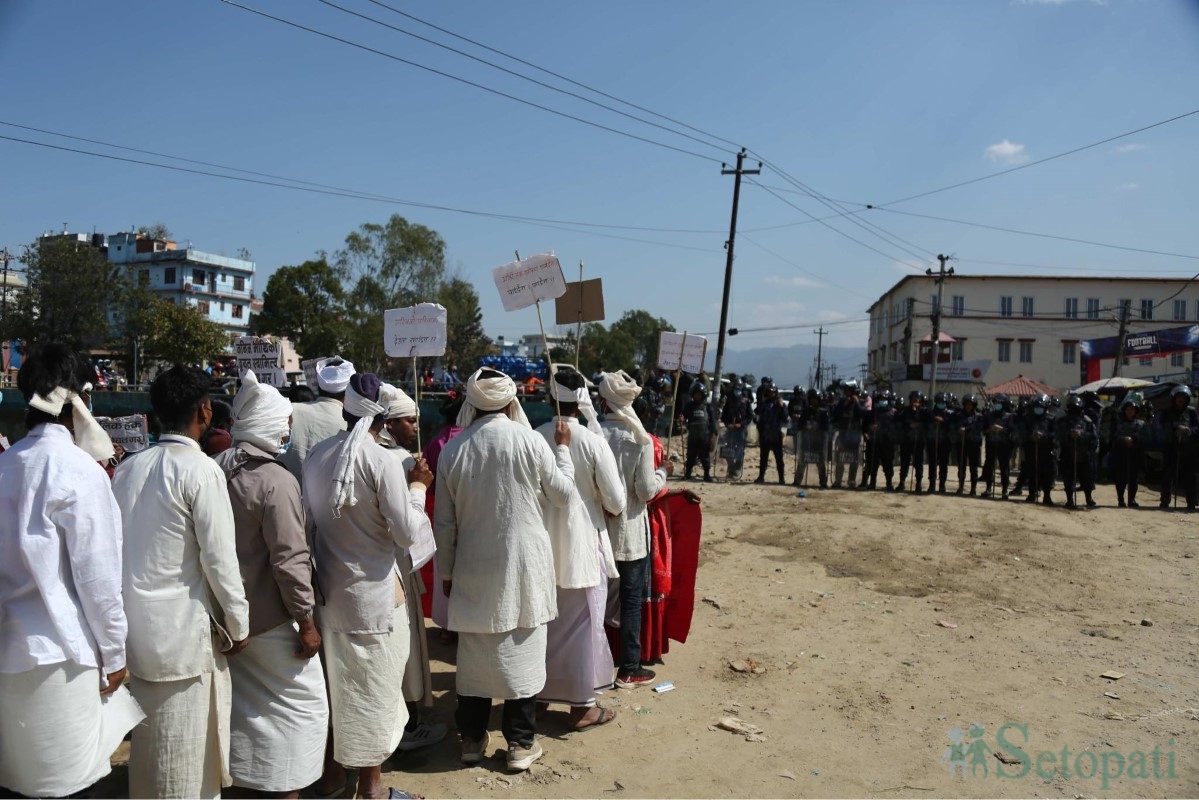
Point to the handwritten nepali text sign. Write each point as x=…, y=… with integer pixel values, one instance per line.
x=522, y=283
x=309, y=367
x=681, y=351
x=418, y=330
x=263, y=356
x=130, y=432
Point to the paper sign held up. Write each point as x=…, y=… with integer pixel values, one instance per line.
x=131, y=433
x=681, y=351
x=264, y=356
x=309, y=367
x=522, y=283
x=583, y=302
x=418, y=330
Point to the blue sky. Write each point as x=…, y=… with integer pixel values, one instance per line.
x=864, y=102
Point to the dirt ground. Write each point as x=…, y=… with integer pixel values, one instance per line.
x=833, y=603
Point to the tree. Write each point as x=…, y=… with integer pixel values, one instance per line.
x=307, y=304
x=467, y=343
x=642, y=330
x=72, y=289
x=405, y=260
x=180, y=334
x=631, y=343
x=157, y=230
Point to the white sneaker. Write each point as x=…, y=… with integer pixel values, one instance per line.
x=475, y=751
x=520, y=758
x=423, y=735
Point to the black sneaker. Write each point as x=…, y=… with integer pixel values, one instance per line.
x=635, y=678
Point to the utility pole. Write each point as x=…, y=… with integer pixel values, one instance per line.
x=1125, y=312
x=820, y=334
x=728, y=268
x=5, y=257
x=941, y=275
x=863, y=368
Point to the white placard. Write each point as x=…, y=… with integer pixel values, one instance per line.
x=418, y=330
x=131, y=432
x=522, y=283
x=960, y=371
x=309, y=367
x=683, y=351
x=263, y=356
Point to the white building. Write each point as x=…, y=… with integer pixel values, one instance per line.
x=1024, y=325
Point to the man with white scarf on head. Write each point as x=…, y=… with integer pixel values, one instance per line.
x=400, y=428
x=496, y=561
x=629, y=532
x=314, y=422
x=364, y=513
x=578, y=657
x=280, y=713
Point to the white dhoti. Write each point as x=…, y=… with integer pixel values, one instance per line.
x=502, y=666
x=53, y=737
x=182, y=747
x=366, y=697
x=280, y=715
x=418, y=676
x=578, y=658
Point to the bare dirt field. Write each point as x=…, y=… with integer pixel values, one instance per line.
x=869, y=627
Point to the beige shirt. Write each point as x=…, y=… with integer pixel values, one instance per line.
x=630, y=531
x=272, y=547
x=311, y=424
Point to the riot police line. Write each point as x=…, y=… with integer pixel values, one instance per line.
x=990, y=447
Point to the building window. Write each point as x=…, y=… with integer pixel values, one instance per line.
x=198, y=277
x=237, y=311
x=239, y=283
x=203, y=307
x=1026, y=352
x=956, y=349
x=1092, y=308
x=1005, y=306
x=224, y=278
x=1069, y=352
x=958, y=308
x=143, y=277
x=1180, y=310
x=168, y=276
x=1026, y=306
x=1071, y=308
x=1124, y=307
x=1178, y=359
x=932, y=302
x=222, y=305
x=1146, y=309
x=1145, y=362
x=1005, y=351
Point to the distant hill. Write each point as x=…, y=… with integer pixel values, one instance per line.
x=789, y=366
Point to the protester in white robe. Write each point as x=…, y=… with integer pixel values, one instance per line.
x=313, y=423
x=629, y=532
x=496, y=560
x=363, y=515
x=62, y=625
x=280, y=712
x=402, y=420
x=183, y=596
x=578, y=657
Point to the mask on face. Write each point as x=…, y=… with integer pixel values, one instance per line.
x=1039, y=412
x=940, y=406
x=884, y=405
x=286, y=446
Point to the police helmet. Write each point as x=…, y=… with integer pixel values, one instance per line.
x=1181, y=391
x=1074, y=404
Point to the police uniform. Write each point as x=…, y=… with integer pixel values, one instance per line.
x=968, y=433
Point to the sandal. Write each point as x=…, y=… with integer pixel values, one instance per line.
x=606, y=716
x=400, y=794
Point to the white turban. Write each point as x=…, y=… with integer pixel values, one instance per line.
x=333, y=378
x=343, y=471
x=582, y=397
x=619, y=391
x=89, y=436
x=260, y=414
x=402, y=406
x=491, y=394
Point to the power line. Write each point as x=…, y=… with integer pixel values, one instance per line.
x=468, y=82
x=1053, y=268
x=1040, y=235
x=512, y=72
x=814, y=274
x=314, y=189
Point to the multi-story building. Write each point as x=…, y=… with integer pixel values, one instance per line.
x=1024, y=325
x=219, y=287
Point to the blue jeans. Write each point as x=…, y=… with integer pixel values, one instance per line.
x=633, y=576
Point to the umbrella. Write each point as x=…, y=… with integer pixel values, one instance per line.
x=1111, y=385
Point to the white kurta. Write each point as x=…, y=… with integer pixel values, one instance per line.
x=629, y=532
x=280, y=715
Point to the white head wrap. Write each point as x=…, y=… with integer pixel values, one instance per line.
x=580, y=396
x=343, y=471
x=333, y=378
x=402, y=406
x=89, y=436
x=619, y=391
x=491, y=394
x=260, y=414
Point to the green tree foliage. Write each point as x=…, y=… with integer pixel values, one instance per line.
x=72, y=288
x=629, y=343
x=307, y=304
x=181, y=334
x=158, y=230
x=467, y=343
